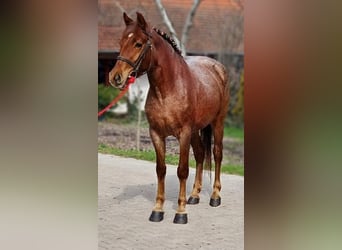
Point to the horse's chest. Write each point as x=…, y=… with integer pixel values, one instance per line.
x=162, y=115
x=165, y=115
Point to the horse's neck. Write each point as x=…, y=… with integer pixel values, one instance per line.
x=167, y=67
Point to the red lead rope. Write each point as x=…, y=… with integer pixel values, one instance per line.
x=121, y=94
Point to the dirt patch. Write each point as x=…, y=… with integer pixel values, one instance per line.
x=124, y=137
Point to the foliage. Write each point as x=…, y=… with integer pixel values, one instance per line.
x=235, y=115
x=238, y=109
x=105, y=96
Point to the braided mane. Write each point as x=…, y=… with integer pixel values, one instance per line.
x=169, y=40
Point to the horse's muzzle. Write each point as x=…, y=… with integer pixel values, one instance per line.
x=116, y=81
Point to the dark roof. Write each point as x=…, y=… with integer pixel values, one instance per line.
x=205, y=36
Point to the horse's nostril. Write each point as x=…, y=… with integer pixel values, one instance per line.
x=117, y=78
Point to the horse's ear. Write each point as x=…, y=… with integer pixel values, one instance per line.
x=127, y=19
x=141, y=21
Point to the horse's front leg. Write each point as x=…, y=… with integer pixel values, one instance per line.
x=159, y=145
x=182, y=173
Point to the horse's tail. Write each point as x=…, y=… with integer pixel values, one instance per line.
x=206, y=139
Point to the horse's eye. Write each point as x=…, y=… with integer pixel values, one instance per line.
x=138, y=45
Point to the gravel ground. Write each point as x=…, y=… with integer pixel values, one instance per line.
x=124, y=137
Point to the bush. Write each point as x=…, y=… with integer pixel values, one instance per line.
x=235, y=115
x=105, y=95
x=238, y=109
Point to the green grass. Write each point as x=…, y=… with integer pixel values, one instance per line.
x=169, y=159
x=234, y=132
x=233, y=169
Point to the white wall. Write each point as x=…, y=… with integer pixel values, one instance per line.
x=141, y=84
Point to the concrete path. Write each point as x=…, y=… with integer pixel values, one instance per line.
x=126, y=194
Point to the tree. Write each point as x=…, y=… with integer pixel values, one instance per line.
x=188, y=24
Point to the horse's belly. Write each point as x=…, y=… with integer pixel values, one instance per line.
x=203, y=119
x=206, y=111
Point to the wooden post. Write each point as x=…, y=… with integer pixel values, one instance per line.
x=139, y=116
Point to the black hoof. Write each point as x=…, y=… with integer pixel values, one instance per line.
x=193, y=200
x=215, y=202
x=180, y=218
x=157, y=216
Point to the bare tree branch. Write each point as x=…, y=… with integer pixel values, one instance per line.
x=188, y=25
x=167, y=22
x=119, y=6
x=122, y=9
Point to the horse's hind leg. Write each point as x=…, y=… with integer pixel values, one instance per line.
x=159, y=145
x=218, y=126
x=198, y=149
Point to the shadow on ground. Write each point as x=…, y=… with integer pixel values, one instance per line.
x=148, y=191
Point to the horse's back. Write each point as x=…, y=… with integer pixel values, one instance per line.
x=210, y=75
x=207, y=69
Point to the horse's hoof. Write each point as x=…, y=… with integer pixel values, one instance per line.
x=215, y=202
x=193, y=200
x=180, y=219
x=157, y=216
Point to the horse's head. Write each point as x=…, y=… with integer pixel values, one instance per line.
x=134, y=58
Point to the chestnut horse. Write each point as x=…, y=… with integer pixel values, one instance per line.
x=188, y=99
